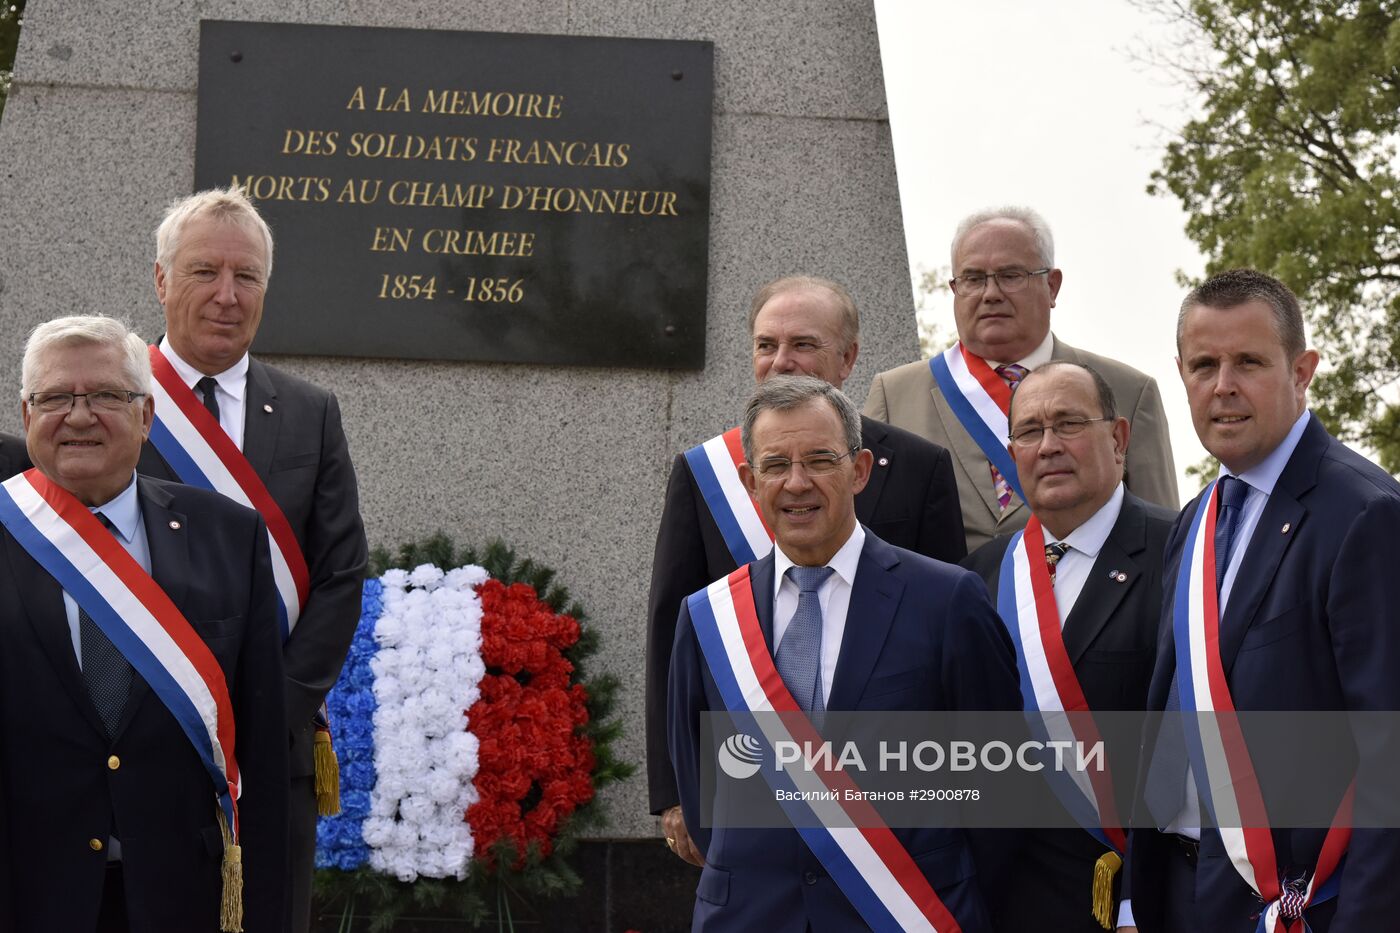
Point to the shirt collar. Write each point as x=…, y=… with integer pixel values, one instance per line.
x=1264, y=475
x=232, y=380
x=1089, y=537
x=844, y=561
x=1037, y=357
x=123, y=511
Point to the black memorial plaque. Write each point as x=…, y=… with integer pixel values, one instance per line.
x=468, y=196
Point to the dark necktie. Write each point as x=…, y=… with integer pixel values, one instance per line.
x=1053, y=553
x=799, y=655
x=106, y=672
x=207, y=385
x=1233, y=492
x=1011, y=374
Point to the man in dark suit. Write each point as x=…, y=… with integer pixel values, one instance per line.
x=880, y=628
x=1103, y=546
x=1306, y=579
x=13, y=458
x=108, y=816
x=810, y=326
x=213, y=260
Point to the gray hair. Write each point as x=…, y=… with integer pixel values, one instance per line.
x=783, y=393
x=229, y=205
x=79, y=330
x=1044, y=240
x=850, y=317
x=1241, y=286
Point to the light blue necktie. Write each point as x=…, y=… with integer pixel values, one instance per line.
x=800, y=653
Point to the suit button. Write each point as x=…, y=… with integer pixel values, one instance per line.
x=95, y=845
x=113, y=763
x=810, y=877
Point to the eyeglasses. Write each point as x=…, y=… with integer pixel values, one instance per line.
x=815, y=464
x=105, y=400
x=1008, y=280
x=1064, y=429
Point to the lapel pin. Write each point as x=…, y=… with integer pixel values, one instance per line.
x=174, y=525
x=1286, y=526
x=1118, y=576
x=884, y=461
x=267, y=408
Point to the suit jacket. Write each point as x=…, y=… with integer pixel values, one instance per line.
x=908, y=397
x=1307, y=628
x=1111, y=638
x=911, y=501
x=920, y=635
x=63, y=782
x=293, y=438
x=13, y=456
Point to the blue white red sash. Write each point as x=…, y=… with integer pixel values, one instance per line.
x=1026, y=602
x=133, y=611
x=982, y=401
x=201, y=454
x=1219, y=757
x=715, y=466
x=860, y=853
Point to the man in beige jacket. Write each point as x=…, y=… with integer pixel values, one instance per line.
x=1005, y=283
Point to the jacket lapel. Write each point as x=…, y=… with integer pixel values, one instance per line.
x=874, y=599
x=262, y=418
x=873, y=439
x=1269, y=543
x=43, y=606
x=761, y=581
x=1102, y=593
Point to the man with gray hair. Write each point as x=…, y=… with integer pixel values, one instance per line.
x=260, y=435
x=140, y=631
x=848, y=622
x=797, y=324
x=1004, y=284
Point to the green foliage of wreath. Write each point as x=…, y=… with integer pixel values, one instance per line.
x=377, y=903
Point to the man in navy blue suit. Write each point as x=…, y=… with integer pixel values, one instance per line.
x=879, y=627
x=1307, y=591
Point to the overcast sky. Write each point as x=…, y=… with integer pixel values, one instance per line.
x=1017, y=101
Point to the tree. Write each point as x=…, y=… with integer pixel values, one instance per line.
x=11, y=19
x=1291, y=169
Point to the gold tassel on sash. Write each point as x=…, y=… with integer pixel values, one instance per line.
x=327, y=774
x=231, y=904
x=1104, y=869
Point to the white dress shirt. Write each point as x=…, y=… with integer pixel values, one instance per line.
x=834, y=595
x=1085, y=542
x=1037, y=357
x=231, y=390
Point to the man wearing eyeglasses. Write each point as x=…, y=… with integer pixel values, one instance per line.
x=263, y=436
x=141, y=675
x=799, y=325
x=1100, y=548
x=1004, y=285
x=12, y=456
x=848, y=623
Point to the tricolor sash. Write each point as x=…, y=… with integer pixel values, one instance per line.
x=201, y=454
x=981, y=400
x=1220, y=760
x=715, y=466
x=133, y=611
x=870, y=865
x=1049, y=687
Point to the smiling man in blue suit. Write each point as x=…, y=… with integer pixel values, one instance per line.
x=858, y=625
x=1307, y=591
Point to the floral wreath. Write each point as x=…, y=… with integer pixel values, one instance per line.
x=471, y=744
